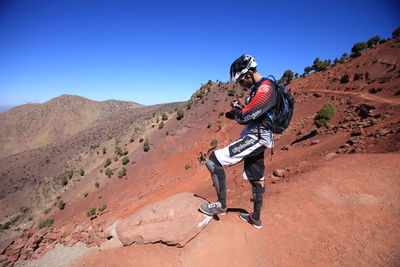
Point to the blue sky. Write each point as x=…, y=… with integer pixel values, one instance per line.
x=155, y=52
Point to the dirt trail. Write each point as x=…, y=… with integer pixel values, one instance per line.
x=345, y=212
x=366, y=96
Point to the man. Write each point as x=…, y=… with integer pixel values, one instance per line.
x=254, y=139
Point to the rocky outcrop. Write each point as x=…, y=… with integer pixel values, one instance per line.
x=173, y=221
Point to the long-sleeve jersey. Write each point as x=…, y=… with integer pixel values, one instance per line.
x=253, y=115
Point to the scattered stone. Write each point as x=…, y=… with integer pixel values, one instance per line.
x=275, y=179
x=278, y=173
x=330, y=156
x=173, y=221
x=314, y=142
x=284, y=148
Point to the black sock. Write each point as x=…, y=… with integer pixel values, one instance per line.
x=256, y=215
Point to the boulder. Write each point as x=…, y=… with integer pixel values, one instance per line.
x=173, y=221
x=279, y=173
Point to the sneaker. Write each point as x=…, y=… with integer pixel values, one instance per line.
x=247, y=218
x=212, y=208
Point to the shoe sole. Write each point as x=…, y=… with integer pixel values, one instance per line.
x=211, y=214
x=255, y=226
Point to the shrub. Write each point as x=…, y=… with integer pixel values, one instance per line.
x=164, y=116
x=345, y=78
x=61, y=205
x=64, y=181
x=91, y=212
x=97, y=184
x=107, y=163
x=324, y=115
x=141, y=140
x=358, y=48
x=125, y=160
x=161, y=125
x=231, y=92
x=47, y=210
x=82, y=172
x=69, y=173
x=118, y=151
x=209, y=125
x=85, y=194
x=221, y=113
x=307, y=69
x=23, y=209
x=131, y=140
x=10, y=222
x=396, y=32
x=104, y=150
x=180, y=113
x=109, y=172
x=102, y=208
x=214, y=143
x=373, y=41
x=189, y=105
x=45, y=223
x=146, y=146
x=187, y=167
x=121, y=173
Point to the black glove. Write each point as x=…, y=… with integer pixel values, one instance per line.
x=230, y=115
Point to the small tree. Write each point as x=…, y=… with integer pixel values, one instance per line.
x=307, y=69
x=214, y=143
x=109, y=172
x=121, y=173
x=146, y=146
x=180, y=113
x=125, y=160
x=324, y=115
x=358, y=48
x=287, y=77
x=107, y=163
x=396, y=32
x=373, y=41
x=61, y=205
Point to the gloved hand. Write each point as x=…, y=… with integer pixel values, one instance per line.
x=237, y=104
x=229, y=115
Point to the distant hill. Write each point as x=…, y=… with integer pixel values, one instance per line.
x=5, y=108
x=34, y=125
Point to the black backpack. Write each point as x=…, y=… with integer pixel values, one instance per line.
x=281, y=114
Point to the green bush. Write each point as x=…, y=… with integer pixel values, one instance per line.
x=146, y=146
x=373, y=41
x=85, y=194
x=187, y=167
x=23, y=209
x=47, y=210
x=118, y=151
x=164, y=116
x=107, y=163
x=125, y=160
x=396, y=32
x=189, y=105
x=307, y=69
x=121, y=173
x=82, y=172
x=64, y=181
x=45, y=223
x=141, y=140
x=10, y=222
x=61, y=205
x=102, y=208
x=358, y=48
x=231, y=92
x=324, y=115
x=97, y=184
x=104, y=150
x=180, y=113
x=214, y=143
x=287, y=77
x=91, y=212
x=109, y=172
x=161, y=125
x=209, y=125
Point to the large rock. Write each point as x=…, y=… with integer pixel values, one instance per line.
x=173, y=221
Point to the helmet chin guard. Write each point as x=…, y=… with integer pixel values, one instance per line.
x=241, y=66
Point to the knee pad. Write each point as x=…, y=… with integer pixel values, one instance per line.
x=217, y=172
x=258, y=191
